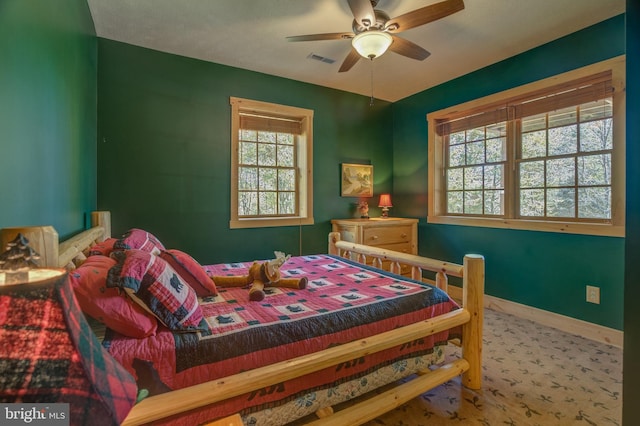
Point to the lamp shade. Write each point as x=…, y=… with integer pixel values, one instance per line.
x=371, y=44
x=385, y=200
x=49, y=354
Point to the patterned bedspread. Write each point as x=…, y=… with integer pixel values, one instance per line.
x=343, y=301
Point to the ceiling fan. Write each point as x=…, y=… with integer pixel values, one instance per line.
x=374, y=32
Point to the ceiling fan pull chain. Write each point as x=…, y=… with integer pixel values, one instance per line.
x=371, y=101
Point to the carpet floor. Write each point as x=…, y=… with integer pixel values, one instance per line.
x=532, y=375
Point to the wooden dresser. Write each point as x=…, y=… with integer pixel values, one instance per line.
x=391, y=233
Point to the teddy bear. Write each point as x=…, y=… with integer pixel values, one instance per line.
x=261, y=275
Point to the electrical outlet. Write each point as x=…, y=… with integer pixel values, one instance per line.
x=593, y=294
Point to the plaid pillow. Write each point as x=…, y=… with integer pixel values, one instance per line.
x=190, y=271
x=151, y=282
x=139, y=239
x=110, y=306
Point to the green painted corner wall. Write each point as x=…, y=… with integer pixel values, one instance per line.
x=164, y=151
x=48, y=121
x=546, y=270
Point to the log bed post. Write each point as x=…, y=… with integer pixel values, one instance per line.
x=472, y=301
x=334, y=237
x=102, y=218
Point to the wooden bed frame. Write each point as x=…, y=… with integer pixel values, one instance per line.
x=44, y=240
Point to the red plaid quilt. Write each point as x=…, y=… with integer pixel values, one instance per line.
x=343, y=301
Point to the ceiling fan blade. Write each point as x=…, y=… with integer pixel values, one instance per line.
x=407, y=48
x=352, y=58
x=363, y=12
x=424, y=15
x=316, y=37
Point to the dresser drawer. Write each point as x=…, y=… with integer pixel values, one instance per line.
x=401, y=247
x=347, y=233
x=377, y=235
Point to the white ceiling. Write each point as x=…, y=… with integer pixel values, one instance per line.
x=251, y=34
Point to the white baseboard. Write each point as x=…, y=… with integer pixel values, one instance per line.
x=564, y=323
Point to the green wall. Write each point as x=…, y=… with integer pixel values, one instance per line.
x=545, y=270
x=48, y=65
x=631, y=391
x=164, y=151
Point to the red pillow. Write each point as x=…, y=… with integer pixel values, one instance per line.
x=191, y=271
x=103, y=248
x=153, y=283
x=139, y=239
x=110, y=306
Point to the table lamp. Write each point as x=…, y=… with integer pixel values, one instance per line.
x=385, y=203
x=50, y=359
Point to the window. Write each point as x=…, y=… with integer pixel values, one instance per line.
x=547, y=156
x=271, y=175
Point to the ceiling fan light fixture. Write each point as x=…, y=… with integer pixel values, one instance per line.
x=371, y=44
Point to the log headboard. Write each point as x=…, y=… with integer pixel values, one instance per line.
x=53, y=253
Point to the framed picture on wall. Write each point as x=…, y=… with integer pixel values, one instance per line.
x=357, y=180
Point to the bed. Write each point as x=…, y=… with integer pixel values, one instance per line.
x=354, y=327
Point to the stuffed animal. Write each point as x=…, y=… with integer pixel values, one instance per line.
x=261, y=275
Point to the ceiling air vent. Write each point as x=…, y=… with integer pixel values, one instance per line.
x=321, y=58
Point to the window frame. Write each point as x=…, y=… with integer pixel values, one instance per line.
x=304, y=163
x=436, y=161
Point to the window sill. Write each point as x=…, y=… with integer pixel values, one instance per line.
x=270, y=222
x=532, y=225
